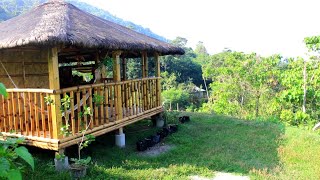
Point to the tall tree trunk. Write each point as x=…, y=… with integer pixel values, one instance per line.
x=205, y=85
x=257, y=104
x=304, y=86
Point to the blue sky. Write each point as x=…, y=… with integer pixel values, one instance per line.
x=263, y=26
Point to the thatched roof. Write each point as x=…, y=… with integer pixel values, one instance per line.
x=58, y=22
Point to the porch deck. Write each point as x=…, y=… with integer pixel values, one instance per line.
x=29, y=113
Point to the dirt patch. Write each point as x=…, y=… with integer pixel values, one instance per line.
x=221, y=176
x=156, y=150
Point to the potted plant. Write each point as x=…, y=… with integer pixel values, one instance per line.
x=79, y=168
x=61, y=162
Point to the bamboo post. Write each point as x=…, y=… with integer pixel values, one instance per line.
x=54, y=83
x=10, y=117
x=95, y=112
x=84, y=98
x=124, y=77
x=43, y=115
x=36, y=113
x=49, y=123
x=4, y=112
x=26, y=113
x=112, y=99
x=106, y=103
x=73, y=128
x=117, y=78
x=78, y=111
x=144, y=58
x=157, y=71
x=31, y=113
x=14, y=112
x=101, y=106
x=91, y=105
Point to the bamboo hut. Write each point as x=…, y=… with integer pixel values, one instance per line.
x=34, y=50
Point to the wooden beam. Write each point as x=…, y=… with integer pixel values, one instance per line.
x=116, y=79
x=54, y=83
x=158, y=74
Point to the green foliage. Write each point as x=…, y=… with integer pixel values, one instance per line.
x=312, y=43
x=98, y=99
x=48, y=100
x=87, y=77
x=183, y=66
x=176, y=96
x=59, y=156
x=10, y=153
x=81, y=162
x=3, y=90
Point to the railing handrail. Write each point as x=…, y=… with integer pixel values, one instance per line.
x=78, y=88
x=31, y=90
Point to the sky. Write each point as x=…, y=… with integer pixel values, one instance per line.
x=263, y=26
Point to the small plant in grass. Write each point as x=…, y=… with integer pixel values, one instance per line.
x=59, y=156
x=10, y=155
x=65, y=106
x=80, y=165
x=61, y=162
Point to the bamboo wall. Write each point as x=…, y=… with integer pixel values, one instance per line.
x=27, y=67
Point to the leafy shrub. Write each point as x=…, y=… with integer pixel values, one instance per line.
x=176, y=96
x=10, y=155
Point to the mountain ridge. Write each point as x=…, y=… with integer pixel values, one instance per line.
x=12, y=8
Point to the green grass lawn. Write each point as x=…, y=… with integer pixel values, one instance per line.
x=202, y=147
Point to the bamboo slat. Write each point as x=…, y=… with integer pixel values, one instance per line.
x=49, y=116
x=36, y=114
x=26, y=112
x=84, y=105
x=9, y=112
x=96, y=114
x=4, y=112
x=111, y=91
x=66, y=114
x=14, y=111
x=73, y=122
x=20, y=110
x=31, y=110
x=78, y=111
x=43, y=115
x=90, y=105
x=101, y=106
x=106, y=104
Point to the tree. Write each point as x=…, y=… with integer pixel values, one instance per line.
x=183, y=66
x=201, y=49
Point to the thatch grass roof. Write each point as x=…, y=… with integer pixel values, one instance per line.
x=58, y=22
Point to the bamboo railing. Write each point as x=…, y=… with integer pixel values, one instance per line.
x=26, y=112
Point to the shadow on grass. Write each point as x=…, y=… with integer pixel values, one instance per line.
x=206, y=144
